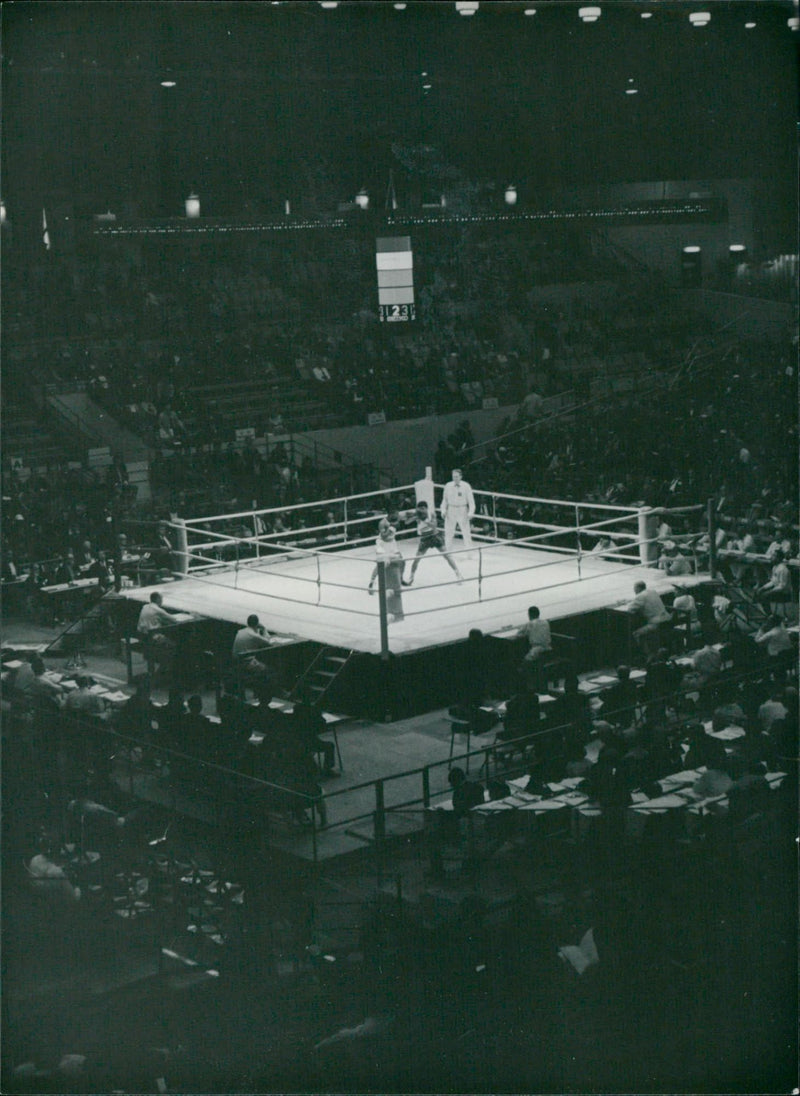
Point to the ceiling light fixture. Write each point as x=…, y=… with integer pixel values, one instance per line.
x=530, y=11
x=329, y=5
x=467, y=7
x=400, y=7
x=168, y=83
x=589, y=15
x=793, y=23
x=749, y=26
x=692, y=249
x=646, y=15
x=699, y=18
x=631, y=91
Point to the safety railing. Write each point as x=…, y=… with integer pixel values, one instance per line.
x=134, y=755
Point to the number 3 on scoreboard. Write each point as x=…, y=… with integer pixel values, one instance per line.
x=394, y=313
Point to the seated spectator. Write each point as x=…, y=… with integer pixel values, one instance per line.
x=83, y=700
x=521, y=719
x=307, y=727
x=249, y=646
x=32, y=686
x=193, y=732
x=66, y=570
x=153, y=619
x=85, y=558
x=619, y=700
x=778, y=590
x=684, y=608
x=572, y=711
x=774, y=640
x=714, y=781
x=138, y=716
x=707, y=663
x=749, y=791
x=779, y=545
x=672, y=562
x=101, y=570
x=773, y=708
x=537, y=634
x=662, y=680
x=466, y=793
x=648, y=606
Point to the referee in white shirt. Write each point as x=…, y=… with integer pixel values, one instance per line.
x=458, y=506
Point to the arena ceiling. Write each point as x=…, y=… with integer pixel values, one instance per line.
x=294, y=100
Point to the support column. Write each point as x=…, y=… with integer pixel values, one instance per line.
x=181, y=553
x=648, y=528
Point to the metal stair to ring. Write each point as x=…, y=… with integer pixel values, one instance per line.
x=318, y=677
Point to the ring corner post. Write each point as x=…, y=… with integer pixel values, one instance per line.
x=384, y=617
x=182, y=548
x=647, y=536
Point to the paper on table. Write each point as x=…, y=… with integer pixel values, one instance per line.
x=661, y=803
x=537, y=805
x=727, y=734
x=605, y=679
x=774, y=779
x=592, y=751
x=584, y=955
x=116, y=697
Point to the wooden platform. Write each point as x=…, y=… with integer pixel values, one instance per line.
x=324, y=599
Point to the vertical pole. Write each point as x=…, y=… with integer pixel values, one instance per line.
x=380, y=827
x=314, y=831
x=380, y=810
x=182, y=553
x=480, y=572
x=711, y=511
x=319, y=579
x=384, y=618
x=426, y=787
x=494, y=515
x=345, y=519
x=647, y=547
x=256, y=535
x=578, y=535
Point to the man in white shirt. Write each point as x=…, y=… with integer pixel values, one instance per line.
x=247, y=644
x=648, y=605
x=774, y=637
x=153, y=619
x=537, y=632
x=458, y=506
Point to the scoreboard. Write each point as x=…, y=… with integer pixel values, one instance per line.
x=395, y=262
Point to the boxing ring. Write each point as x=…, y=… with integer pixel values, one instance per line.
x=305, y=569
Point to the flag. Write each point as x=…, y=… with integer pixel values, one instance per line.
x=45, y=233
